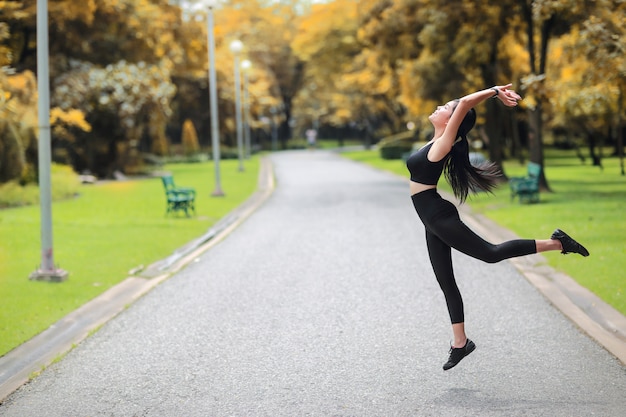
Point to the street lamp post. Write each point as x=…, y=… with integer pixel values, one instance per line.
x=245, y=65
x=236, y=47
x=215, y=139
x=47, y=271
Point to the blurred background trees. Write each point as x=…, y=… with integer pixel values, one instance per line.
x=128, y=75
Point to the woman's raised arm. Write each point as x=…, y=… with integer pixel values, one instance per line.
x=444, y=143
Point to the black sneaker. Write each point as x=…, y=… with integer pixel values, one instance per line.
x=456, y=354
x=569, y=244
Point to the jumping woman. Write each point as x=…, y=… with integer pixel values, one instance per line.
x=448, y=152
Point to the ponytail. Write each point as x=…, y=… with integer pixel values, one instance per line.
x=462, y=176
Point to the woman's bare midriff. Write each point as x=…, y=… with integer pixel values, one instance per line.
x=418, y=187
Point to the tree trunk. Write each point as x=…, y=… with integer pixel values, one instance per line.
x=620, y=148
x=494, y=130
x=535, y=142
x=535, y=133
x=516, y=144
x=620, y=134
x=284, y=129
x=596, y=160
x=20, y=161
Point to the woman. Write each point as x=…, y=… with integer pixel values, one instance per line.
x=449, y=151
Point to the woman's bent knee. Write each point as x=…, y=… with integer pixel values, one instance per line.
x=489, y=255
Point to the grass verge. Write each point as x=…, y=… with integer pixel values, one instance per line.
x=110, y=228
x=586, y=201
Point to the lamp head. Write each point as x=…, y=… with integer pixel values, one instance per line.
x=236, y=46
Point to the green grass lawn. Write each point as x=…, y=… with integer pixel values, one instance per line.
x=587, y=202
x=110, y=228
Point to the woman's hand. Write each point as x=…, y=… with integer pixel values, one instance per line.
x=508, y=97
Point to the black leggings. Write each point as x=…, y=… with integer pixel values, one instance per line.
x=445, y=230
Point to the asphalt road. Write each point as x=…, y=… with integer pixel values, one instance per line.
x=323, y=303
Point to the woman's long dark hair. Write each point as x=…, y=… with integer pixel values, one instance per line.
x=462, y=176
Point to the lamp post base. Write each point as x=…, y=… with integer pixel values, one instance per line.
x=217, y=193
x=54, y=275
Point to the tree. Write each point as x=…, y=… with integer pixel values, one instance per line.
x=259, y=27
x=544, y=19
x=590, y=73
x=461, y=48
x=18, y=124
x=326, y=42
x=9, y=12
x=385, y=25
x=422, y=52
x=128, y=106
x=267, y=30
x=85, y=38
x=373, y=64
x=63, y=15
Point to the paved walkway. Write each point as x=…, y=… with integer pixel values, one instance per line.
x=323, y=303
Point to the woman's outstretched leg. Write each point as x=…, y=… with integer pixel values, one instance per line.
x=457, y=235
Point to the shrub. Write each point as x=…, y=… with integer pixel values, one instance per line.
x=396, y=146
x=395, y=151
x=65, y=184
x=190, y=138
x=228, y=153
x=297, y=144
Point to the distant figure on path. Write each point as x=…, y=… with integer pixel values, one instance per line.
x=311, y=137
x=448, y=152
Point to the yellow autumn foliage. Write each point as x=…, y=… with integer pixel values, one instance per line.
x=70, y=118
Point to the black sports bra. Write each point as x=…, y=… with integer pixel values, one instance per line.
x=422, y=170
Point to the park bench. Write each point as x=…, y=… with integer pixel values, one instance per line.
x=526, y=188
x=178, y=198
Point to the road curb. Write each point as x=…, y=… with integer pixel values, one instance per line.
x=24, y=362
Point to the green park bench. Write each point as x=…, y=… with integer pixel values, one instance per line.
x=178, y=198
x=526, y=188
